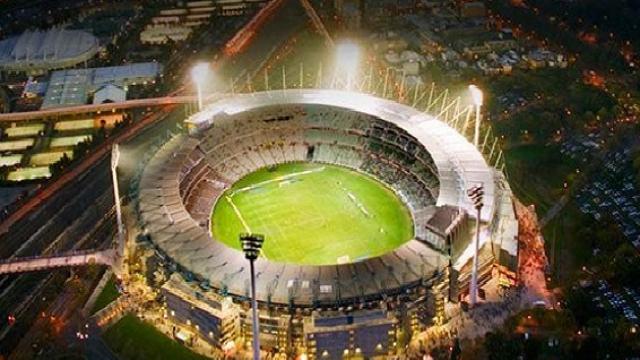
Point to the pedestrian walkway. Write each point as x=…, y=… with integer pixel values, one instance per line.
x=77, y=258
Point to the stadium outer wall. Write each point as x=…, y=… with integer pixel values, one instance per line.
x=302, y=320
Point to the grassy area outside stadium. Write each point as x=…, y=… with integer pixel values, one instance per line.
x=313, y=214
x=131, y=338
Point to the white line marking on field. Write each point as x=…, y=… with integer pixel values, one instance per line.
x=238, y=214
x=280, y=178
x=357, y=203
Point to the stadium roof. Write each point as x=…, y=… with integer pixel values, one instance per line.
x=460, y=165
x=35, y=51
x=109, y=93
x=188, y=243
x=130, y=74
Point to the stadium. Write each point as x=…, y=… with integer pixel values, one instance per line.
x=363, y=205
x=36, y=52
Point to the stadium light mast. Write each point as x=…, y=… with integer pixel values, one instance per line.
x=251, y=245
x=478, y=99
x=198, y=74
x=347, y=61
x=476, y=195
x=115, y=157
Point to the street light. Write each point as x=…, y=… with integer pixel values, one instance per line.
x=478, y=98
x=115, y=157
x=476, y=194
x=348, y=60
x=199, y=74
x=251, y=245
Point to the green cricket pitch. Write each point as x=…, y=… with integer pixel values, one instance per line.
x=313, y=214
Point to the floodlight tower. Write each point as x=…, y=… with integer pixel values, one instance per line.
x=476, y=195
x=251, y=245
x=347, y=61
x=199, y=74
x=478, y=98
x=120, y=247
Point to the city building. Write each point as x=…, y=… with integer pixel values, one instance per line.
x=74, y=86
x=109, y=93
x=334, y=335
x=378, y=10
x=163, y=33
x=214, y=317
x=350, y=12
x=471, y=9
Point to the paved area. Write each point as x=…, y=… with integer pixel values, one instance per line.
x=500, y=303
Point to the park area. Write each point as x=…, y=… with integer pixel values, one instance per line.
x=132, y=338
x=108, y=294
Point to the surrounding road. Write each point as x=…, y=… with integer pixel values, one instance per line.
x=88, y=162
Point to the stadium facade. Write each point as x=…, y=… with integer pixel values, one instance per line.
x=36, y=52
x=332, y=310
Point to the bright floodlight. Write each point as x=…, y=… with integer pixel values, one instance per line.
x=199, y=74
x=347, y=60
x=348, y=54
x=115, y=156
x=476, y=95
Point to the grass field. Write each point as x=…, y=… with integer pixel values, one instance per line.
x=537, y=173
x=133, y=339
x=313, y=214
x=108, y=294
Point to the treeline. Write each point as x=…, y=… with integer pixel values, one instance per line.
x=602, y=56
x=557, y=102
x=635, y=158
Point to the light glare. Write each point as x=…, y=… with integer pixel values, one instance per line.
x=199, y=72
x=348, y=57
x=476, y=94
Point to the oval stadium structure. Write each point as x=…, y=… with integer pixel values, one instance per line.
x=424, y=162
x=36, y=52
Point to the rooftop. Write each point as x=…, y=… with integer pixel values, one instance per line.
x=45, y=50
x=73, y=86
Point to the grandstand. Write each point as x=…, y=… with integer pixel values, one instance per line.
x=426, y=163
x=176, y=217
